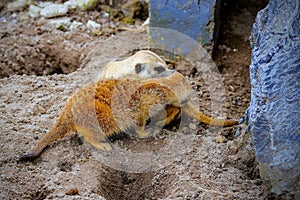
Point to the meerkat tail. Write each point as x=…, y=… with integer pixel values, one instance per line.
x=63, y=125
x=193, y=112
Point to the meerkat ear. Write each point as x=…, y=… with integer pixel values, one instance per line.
x=139, y=68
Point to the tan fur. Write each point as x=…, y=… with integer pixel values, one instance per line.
x=152, y=67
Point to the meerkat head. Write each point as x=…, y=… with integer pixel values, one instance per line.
x=143, y=64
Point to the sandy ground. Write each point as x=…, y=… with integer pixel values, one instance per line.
x=41, y=67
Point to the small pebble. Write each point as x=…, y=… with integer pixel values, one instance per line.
x=72, y=191
x=221, y=139
x=105, y=15
x=55, y=181
x=54, y=10
x=50, y=42
x=192, y=126
x=227, y=105
x=231, y=88
x=60, y=195
x=93, y=25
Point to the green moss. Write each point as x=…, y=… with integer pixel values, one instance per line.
x=97, y=33
x=86, y=5
x=112, y=12
x=128, y=21
x=61, y=28
x=91, y=4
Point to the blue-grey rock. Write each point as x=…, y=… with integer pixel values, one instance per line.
x=274, y=112
x=44, y=4
x=196, y=19
x=34, y=11
x=93, y=25
x=75, y=25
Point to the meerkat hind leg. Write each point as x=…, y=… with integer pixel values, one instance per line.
x=97, y=139
x=162, y=121
x=172, y=112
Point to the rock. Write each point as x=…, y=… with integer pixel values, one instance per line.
x=72, y=191
x=221, y=139
x=45, y=4
x=60, y=195
x=93, y=25
x=63, y=21
x=34, y=11
x=274, y=114
x=196, y=19
x=75, y=25
x=82, y=4
x=61, y=24
x=23, y=16
x=146, y=22
x=50, y=42
x=231, y=88
x=14, y=18
x=105, y=15
x=54, y=10
x=192, y=126
x=227, y=105
x=17, y=5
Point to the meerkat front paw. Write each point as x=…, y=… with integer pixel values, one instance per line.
x=141, y=132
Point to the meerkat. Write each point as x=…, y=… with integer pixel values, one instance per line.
x=143, y=64
x=106, y=108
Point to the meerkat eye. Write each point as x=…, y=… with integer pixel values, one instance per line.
x=139, y=67
x=159, y=69
x=148, y=121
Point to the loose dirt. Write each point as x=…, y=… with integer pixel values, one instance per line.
x=42, y=66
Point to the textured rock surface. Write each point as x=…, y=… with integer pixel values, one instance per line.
x=34, y=11
x=54, y=10
x=195, y=19
x=275, y=97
